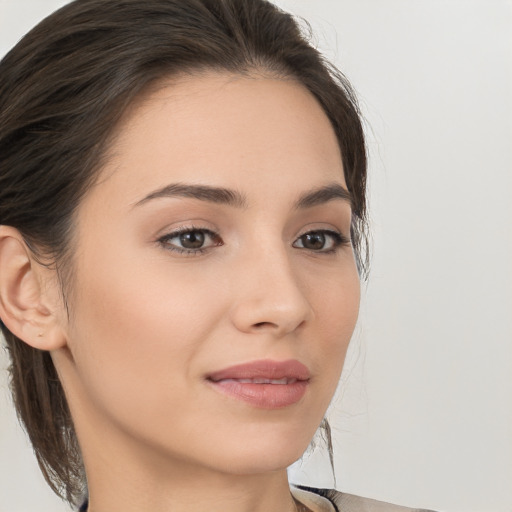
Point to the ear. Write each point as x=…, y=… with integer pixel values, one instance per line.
x=29, y=304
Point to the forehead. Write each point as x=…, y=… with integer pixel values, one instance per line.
x=222, y=129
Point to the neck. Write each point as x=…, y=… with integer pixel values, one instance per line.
x=139, y=489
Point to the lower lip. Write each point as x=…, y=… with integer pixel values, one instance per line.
x=264, y=396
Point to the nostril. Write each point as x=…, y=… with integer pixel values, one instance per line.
x=262, y=324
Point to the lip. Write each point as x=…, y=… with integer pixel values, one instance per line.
x=277, y=384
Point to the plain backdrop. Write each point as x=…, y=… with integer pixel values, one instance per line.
x=424, y=412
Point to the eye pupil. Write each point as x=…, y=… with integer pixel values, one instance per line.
x=192, y=239
x=313, y=240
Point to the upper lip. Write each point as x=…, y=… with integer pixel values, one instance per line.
x=264, y=369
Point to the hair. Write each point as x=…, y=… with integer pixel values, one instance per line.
x=63, y=91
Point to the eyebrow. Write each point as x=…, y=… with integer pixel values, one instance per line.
x=323, y=195
x=234, y=198
x=207, y=193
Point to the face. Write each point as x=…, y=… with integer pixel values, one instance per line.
x=215, y=287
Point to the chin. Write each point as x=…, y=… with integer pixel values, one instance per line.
x=262, y=454
x=261, y=463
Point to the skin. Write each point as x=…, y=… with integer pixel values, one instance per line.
x=149, y=323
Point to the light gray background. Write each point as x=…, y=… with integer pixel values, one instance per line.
x=424, y=416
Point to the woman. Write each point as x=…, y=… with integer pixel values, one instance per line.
x=182, y=211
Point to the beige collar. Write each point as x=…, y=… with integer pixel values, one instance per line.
x=314, y=502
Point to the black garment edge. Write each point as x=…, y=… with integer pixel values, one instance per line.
x=328, y=494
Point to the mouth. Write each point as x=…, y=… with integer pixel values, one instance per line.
x=260, y=380
x=264, y=384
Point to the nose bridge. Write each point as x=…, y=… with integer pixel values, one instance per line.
x=270, y=294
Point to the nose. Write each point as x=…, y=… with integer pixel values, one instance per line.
x=270, y=296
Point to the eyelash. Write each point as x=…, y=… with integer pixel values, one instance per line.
x=164, y=240
x=339, y=240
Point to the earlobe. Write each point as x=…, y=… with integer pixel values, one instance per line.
x=25, y=305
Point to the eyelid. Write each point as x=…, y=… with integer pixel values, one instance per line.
x=163, y=240
x=339, y=238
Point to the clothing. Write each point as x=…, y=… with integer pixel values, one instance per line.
x=326, y=500
x=312, y=500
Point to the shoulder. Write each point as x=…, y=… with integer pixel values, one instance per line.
x=350, y=503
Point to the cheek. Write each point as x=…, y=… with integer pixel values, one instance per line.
x=337, y=309
x=136, y=333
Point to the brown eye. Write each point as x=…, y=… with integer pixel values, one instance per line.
x=322, y=241
x=192, y=239
x=314, y=240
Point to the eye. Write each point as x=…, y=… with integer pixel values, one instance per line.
x=190, y=240
x=321, y=240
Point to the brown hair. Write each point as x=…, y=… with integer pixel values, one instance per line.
x=63, y=90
